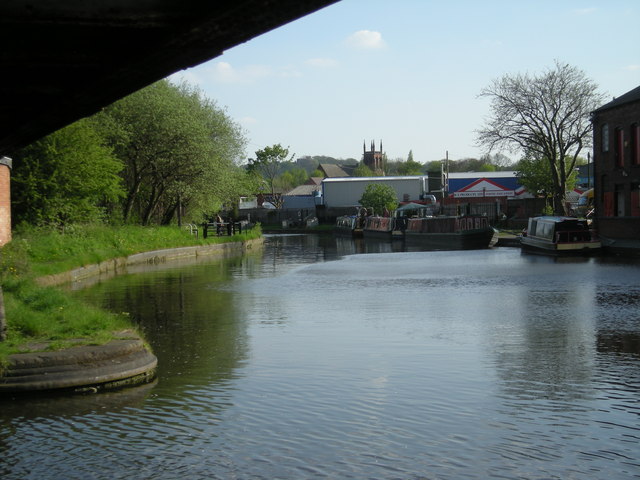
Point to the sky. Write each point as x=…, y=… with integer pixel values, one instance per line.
x=409, y=72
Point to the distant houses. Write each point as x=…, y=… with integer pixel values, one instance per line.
x=303, y=196
x=616, y=155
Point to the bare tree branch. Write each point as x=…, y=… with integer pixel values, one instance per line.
x=545, y=116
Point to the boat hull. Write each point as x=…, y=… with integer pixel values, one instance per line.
x=465, y=240
x=546, y=247
x=377, y=234
x=348, y=226
x=347, y=232
x=380, y=228
x=557, y=235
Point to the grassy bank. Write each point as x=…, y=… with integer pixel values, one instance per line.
x=45, y=317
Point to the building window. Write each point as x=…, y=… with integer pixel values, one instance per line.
x=619, y=206
x=635, y=200
x=619, y=147
x=635, y=144
x=605, y=137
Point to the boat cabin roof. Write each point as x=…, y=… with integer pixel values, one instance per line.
x=557, y=219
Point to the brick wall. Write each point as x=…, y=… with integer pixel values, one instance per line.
x=5, y=200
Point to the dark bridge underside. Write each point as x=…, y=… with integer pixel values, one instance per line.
x=61, y=60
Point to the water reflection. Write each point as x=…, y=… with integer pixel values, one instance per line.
x=193, y=325
x=311, y=360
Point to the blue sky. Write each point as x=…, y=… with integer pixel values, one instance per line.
x=408, y=72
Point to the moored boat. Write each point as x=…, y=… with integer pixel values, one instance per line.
x=560, y=235
x=451, y=232
x=349, y=226
x=378, y=227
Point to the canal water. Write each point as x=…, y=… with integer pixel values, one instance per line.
x=324, y=358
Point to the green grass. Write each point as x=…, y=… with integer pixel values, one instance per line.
x=48, y=252
x=45, y=318
x=52, y=319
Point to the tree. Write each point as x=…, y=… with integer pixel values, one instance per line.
x=379, y=197
x=486, y=167
x=67, y=177
x=410, y=167
x=363, y=171
x=544, y=116
x=180, y=152
x=268, y=163
x=434, y=166
x=498, y=160
x=534, y=175
x=294, y=177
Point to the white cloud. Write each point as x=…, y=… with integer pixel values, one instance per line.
x=289, y=72
x=585, y=11
x=632, y=68
x=366, y=39
x=321, y=62
x=224, y=72
x=246, y=121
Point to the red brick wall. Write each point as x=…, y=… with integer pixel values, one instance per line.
x=5, y=203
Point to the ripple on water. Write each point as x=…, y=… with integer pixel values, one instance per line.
x=415, y=365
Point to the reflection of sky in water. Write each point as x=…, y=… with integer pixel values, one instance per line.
x=311, y=361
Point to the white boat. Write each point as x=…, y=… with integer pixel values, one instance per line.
x=560, y=235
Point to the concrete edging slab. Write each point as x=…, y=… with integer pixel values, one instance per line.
x=92, y=368
x=88, y=368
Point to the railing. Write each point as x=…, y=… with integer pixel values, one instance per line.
x=193, y=229
x=221, y=228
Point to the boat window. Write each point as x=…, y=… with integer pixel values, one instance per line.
x=545, y=230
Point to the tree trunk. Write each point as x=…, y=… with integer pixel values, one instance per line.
x=152, y=205
x=559, y=203
x=130, y=200
x=169, y=213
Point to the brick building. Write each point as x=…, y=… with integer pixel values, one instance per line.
x=5, y=200
x=616, y=157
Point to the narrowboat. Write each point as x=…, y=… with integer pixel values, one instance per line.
x=560, y=235
x=378, y=227
x=349, y=226
x=468, y=232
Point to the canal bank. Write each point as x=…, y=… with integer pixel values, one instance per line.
x=306, y=360
x=124, y=361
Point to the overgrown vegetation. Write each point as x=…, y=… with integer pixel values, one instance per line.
x=159, y=156
x=379, y=198
x=48, y=315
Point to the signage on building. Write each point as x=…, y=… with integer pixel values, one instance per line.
x=483, y=187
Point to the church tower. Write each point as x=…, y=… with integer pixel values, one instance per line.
x=373, y=158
